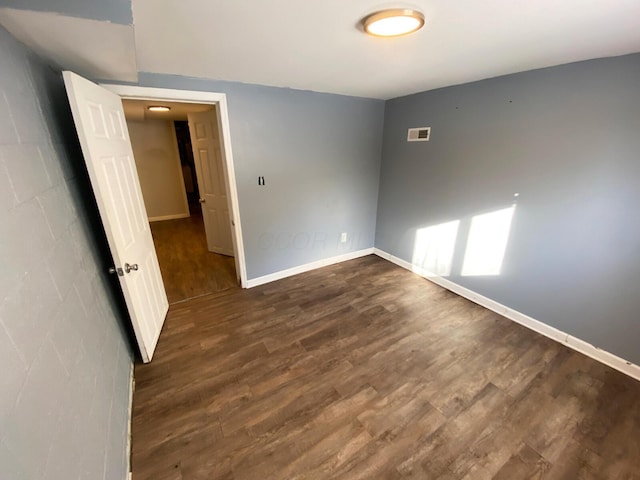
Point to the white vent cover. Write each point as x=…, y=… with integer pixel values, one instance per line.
x=419, y=134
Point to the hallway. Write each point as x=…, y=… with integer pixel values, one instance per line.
x=188, y=269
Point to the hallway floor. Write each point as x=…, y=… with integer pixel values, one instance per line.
x=188, y=269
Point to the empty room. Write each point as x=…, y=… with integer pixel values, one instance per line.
x=340, y=240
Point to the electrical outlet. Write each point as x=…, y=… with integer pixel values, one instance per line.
x=343, y=237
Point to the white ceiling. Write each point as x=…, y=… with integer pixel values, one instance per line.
x=318, y=45
x=91, y=48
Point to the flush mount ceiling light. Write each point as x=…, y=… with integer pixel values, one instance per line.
x=393, y=23
x=158, y=108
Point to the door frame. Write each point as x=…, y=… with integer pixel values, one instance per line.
x=220, y=101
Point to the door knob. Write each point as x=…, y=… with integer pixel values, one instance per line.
x=202, y=200
x=128, y=268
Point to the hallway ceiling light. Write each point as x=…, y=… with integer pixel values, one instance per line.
x=393, y=23
x=158, y=108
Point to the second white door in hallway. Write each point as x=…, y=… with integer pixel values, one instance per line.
x=203, y=128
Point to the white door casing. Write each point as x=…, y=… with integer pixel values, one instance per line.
x=220, y=101
x=104, y=138
x=205, y=141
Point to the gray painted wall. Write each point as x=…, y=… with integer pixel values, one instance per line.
x=320, y=156
x=65, y=361
x=567, y=139
x=116, y=11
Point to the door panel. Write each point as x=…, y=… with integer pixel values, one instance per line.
x=104, y=138
x=211, y=181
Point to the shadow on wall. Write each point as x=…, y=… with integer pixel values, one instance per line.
x=483, y=238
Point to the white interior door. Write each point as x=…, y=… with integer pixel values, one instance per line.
x=205, y=141
x=103, y=134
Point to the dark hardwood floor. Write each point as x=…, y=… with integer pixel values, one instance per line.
x=363, y=370
x=188, y=268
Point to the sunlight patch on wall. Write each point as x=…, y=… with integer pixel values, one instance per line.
x=434, y=247
x=487, y=243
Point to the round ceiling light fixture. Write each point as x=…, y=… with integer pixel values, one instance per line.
x=158, y=108
x=393, y=23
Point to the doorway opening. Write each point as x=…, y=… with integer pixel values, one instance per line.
x=193, y=216
x=188, y=165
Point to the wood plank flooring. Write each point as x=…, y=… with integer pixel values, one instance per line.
x=188, y=268
x=364, y=370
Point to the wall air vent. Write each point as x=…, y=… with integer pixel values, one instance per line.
x=419, y=134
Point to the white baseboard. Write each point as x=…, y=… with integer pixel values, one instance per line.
x=559, y=336
x=131, y=389
x=169, y=217
x=272, y=277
